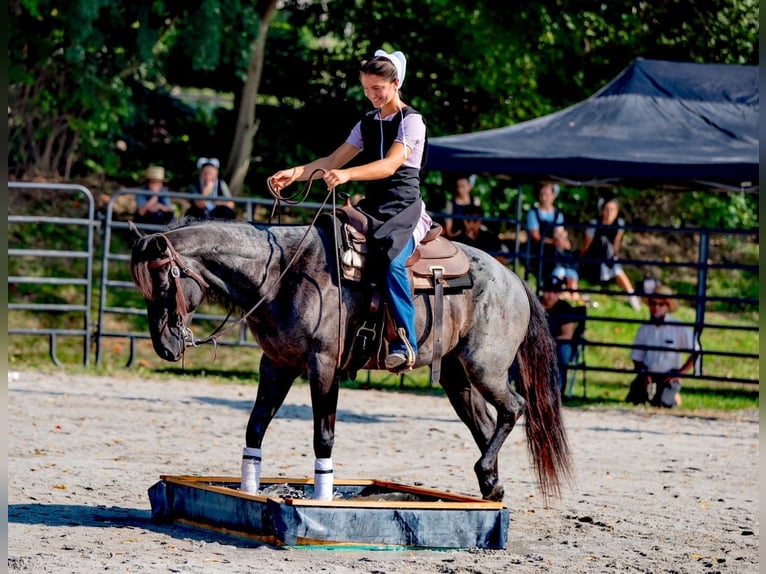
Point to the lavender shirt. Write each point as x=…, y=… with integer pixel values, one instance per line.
x=412, y=133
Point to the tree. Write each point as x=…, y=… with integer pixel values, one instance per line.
x=70, y=72
x=247, y=126
x=79, y=72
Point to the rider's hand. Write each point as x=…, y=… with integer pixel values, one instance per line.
x=335, y=177
x=283, y=178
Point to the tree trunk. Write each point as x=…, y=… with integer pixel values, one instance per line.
x=247, y=126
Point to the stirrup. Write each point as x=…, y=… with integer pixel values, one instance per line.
x=397, y=362
x=401, y=361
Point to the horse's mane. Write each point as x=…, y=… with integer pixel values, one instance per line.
x=140, y=269
x=142, y=278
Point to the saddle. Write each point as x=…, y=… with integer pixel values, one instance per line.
x=437, y=265
x=435, y=260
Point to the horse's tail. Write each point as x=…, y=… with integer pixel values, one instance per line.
x=539, y=378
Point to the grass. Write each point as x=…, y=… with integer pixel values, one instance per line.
x=604, y=389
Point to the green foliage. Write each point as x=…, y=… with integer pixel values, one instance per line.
x=68, y=95
x=719, y=211
x=75, y=69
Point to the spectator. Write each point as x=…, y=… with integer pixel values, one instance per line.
x=210, y=186
x=657, y=354
x=454, y=227
x=476, y=235
x=562, y=322
x=550, y=246
x=154, y=208
x=566, y=266
x=601, y=249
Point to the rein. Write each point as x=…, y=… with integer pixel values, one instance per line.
x=177, y=265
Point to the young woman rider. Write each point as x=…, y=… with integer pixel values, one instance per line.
x=391, y=142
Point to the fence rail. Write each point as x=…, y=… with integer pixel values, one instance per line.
x=114, y=313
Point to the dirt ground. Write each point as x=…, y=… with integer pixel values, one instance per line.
x=655, y=492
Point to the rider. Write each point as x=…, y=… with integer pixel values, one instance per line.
x=392, y=142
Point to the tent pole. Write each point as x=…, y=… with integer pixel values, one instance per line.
x=517, y=244
x=701, y=295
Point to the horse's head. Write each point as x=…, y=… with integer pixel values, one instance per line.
x=172, y=291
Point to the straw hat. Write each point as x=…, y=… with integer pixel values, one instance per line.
x=155, y=173
x=662, y=291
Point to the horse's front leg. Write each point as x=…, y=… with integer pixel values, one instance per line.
x=273, y=386
x=324, y=382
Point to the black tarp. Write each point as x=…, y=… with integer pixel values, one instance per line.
x=669, y=124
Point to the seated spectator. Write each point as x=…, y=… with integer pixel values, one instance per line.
x=562, y=322
x=601, y=249
x=566, y=266
x=150, y=208
x=476, y=235
x=657, y=356
x=550, y=246
x=462, y=200
x=210, y=186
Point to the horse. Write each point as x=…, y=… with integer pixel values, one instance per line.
x=304, y=318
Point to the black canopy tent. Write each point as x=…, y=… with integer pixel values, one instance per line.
x=658, y=123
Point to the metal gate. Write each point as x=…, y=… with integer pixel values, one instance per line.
x=28, y=246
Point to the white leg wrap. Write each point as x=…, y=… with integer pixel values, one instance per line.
x=323, y=479
x=251, y=470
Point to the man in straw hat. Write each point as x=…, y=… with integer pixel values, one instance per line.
x=155, y=208
x=658, y=353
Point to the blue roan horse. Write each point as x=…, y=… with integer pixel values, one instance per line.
x=287, y=271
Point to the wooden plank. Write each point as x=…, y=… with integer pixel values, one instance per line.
x=456, y=497
x=412, y=504
x=447, y=500
x=265, y=539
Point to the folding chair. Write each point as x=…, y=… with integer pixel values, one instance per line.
x=579, y=343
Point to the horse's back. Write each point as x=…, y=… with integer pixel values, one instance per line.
x=499, y=296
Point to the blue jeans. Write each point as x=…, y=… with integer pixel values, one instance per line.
x=400, y=298
x=564, y=352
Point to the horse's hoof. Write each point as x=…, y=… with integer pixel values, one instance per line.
x=496, y=494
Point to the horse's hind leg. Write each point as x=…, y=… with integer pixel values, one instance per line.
x=473, y=409
x=273, y=386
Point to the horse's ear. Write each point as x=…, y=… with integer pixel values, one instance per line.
x=135, y=233
x=159, y=243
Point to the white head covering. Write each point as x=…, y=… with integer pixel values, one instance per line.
x=398, y=60
x=203, y=161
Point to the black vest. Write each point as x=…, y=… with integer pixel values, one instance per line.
x=393, y=204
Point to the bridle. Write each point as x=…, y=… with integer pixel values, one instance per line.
x=178, y=267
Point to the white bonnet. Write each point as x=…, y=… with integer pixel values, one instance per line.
x=203, y=161
x=398, y=60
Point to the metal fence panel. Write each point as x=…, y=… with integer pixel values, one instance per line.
x=79, y=200
x=118, y=300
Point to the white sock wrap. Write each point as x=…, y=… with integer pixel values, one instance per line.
x=323, y=479
x=251, y=470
